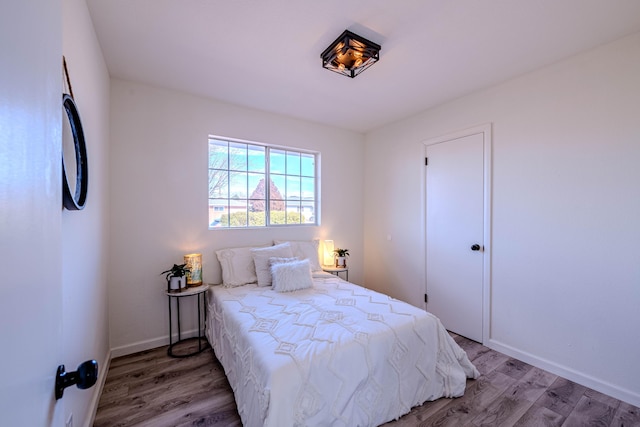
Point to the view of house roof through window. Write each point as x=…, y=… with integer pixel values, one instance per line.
x=258, y=185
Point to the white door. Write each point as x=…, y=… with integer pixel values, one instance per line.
x=30, y=214
x=455, y=230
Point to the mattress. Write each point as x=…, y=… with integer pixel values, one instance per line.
x=336, y=354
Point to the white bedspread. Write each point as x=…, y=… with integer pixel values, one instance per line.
x=335, y=354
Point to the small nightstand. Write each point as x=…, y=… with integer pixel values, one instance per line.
x=337, y=271
x=201, y=293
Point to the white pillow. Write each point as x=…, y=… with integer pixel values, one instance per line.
x=291, y=276
x=280, y=260
x=237, y=266
x=261, y=260
x=305, y=249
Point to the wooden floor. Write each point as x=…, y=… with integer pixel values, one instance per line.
x=152, y=389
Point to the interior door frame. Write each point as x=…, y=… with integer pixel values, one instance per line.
x=485, y=130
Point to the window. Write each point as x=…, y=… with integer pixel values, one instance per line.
x=239, y=196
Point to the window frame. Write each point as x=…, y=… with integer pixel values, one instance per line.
x=267, y=177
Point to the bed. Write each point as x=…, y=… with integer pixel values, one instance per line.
x=331, y=353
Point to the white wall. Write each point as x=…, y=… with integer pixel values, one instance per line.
x=158, y=185
x=565, y=288
x=85, y=232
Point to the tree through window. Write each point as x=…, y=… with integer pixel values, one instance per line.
x=238, y=192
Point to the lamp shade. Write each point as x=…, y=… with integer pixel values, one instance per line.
x=194, y=263
x=328, y=252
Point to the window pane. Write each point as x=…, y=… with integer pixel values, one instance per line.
x=293, y=163
x=218, y=154
x=256, y=186
x=293, y=213
x=257, y=205
x=218, y=180
x=258, y=219
x=278, y=187
x=277, y=161
x=217, y=208
x=293, y=188
x=308, y=212
x=237, y=156
x=308, y=188
x=238, y=213
x=238, y=185
x=256, y=159
x=308, y=162
x=277, y=213
x=258, y=197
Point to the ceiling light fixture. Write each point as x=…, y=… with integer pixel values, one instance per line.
x=350, y=54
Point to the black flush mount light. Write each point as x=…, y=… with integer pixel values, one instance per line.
x=350, y=54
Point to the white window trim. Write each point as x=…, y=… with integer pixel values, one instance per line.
x=268, y=146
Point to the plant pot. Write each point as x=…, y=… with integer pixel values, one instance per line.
x=341, y=261
x=176, y=284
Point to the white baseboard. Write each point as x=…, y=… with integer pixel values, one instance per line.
x=629, y=396
x=103, y=369
x=149, y=344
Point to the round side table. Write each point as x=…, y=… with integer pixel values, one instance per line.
x=201, y=293
x=337, y=271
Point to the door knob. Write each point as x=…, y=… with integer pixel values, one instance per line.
x=475, y=247
x=85, y=377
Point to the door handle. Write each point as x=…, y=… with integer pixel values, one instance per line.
x=475, y=247
x=84, y=378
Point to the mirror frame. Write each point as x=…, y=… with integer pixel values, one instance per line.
x=75, y=202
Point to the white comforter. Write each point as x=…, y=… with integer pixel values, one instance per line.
x=335, y=354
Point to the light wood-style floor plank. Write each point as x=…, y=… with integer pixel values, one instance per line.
x=151, y=389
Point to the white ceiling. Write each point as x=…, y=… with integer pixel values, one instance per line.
x=265, y=54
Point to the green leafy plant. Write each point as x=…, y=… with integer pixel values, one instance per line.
x=341, y=252
x=178, y=270
x=257, y=219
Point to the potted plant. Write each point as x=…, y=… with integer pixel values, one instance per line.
x=341, y=257
x=176, y=277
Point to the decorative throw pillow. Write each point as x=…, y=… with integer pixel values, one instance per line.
x=261, y=260
x=237, y=266
x=279, y=260
x=305, y=249
x=291, y=276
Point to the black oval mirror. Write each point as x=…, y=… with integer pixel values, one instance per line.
x=75, y=170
